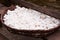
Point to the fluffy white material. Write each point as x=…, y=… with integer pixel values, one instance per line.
x=28, y=19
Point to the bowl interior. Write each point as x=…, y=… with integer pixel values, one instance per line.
x=12, y=7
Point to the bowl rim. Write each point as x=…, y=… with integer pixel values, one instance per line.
x=24, y=29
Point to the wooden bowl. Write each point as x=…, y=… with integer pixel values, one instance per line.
x=33, y=33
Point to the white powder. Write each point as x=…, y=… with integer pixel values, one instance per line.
x=27, y=19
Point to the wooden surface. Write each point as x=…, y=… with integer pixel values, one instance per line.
x=2, y=37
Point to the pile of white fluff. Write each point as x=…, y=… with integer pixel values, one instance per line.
x=28, y=19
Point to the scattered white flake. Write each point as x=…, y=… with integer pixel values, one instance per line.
x=28, y=19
